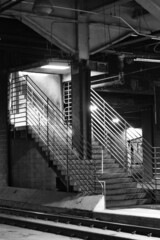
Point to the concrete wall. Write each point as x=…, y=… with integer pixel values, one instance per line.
x=3, y=130
x=28, y=168
x=50, y=84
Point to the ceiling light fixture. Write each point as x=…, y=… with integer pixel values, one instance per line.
x=42, y=7
x=55, y=67
x=146, y=60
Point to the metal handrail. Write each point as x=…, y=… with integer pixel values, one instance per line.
x=115, y=138
x=46, y=122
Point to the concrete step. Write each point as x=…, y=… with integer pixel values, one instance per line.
x=98, y=150
x=106, y=176
x=81, y=177
x=95, y=143
x=99, y=156
x=112, y=170
x=78, y=167
x=109, y=160
x=124, y=203
x=121, y=185
x=141, y=195
x=118, y=180
x=107, y=166
x=126, y=190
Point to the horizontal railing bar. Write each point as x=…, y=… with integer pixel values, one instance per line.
x=127, y=124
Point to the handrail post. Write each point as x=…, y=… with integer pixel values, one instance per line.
x=47, y=131
x=26, y=109
x=125, y=148
x=102, y=161
x=155, y=171
x=67, y=160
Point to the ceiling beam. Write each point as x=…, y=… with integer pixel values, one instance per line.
x=152, y=6
x=111, y=6
x=9, y=4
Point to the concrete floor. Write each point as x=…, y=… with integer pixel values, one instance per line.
x=152, y=211
x=16, y=233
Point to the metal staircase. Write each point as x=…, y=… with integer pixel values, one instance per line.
x=46, y=124
x=110, y=131
x=111, y=165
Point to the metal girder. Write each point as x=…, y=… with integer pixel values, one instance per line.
x=111, y=5
x=8, y=4
x=47, y=34
x=152, y=6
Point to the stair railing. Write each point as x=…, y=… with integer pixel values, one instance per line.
x=156, y=172
x=115, y=134
x=32, y=108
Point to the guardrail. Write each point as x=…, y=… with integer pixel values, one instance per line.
x=116, y=135
x=30, y=107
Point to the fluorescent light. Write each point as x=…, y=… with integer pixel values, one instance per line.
x=146, y=60
x=115, y=120
x=56, y=67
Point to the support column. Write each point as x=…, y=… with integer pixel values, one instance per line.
x=157, y=116
x=81, y=120
x=3, y=129
x=147, y=129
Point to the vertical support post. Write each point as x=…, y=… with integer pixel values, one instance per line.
x=67, y=160
x=147, y=150
x=156, y=153
x=81, y=118
x=102, y=162
x=26, y=97
x=47, y=132
x=126, y=164
x=4, y=130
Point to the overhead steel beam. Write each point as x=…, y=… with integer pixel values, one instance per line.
x=152, y=6
x=110, y=6
x=9, y=4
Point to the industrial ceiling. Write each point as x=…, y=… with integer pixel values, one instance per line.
x=119, y=33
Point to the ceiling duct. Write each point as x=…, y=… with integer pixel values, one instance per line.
x=42, y=7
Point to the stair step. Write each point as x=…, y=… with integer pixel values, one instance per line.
x=99, y=156
x=96, y=144
x=113, y=170
x=119, y=180
x=107, y=166
x=123, y=191
x=107, y=161
x=78, y=167
x=141, y=195
x=97, y=150
x=106, y=176
x=121, y=186
x=123, y=203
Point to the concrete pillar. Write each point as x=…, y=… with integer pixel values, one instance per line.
x=157, y=116
x=3, y=129
x=81, y=119
x=81, y=122
x=147, y=130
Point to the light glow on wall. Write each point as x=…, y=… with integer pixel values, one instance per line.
x=133, y=133
x=55, y=67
